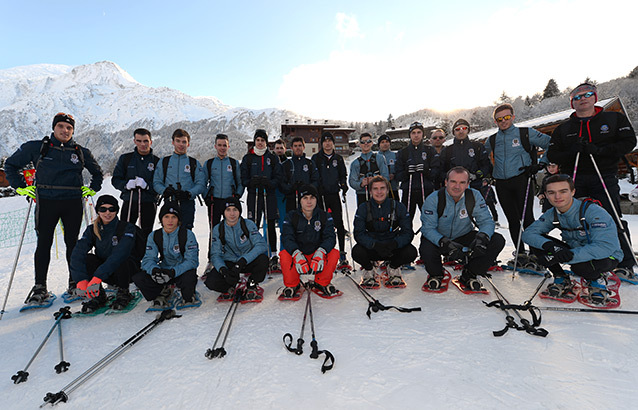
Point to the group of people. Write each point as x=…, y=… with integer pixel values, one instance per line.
x=450, y=185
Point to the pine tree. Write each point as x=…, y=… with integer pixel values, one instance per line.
x=633, y=73
x=551, y=90
x=590, y=81
x=390, y=121
x=504, y=98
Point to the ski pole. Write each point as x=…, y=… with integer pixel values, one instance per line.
x=576, y=166
x=586, y=310
x=130, y=203
x=546, y=276
x=350, y=233
x=422, y=189
x=63, y=395
x=520, y=230
x=288, y=343
x=410, y=194
x=22, y=375
x=329, y=361
x=220, y=352
x=621, y=227
x=267, y=225
x=139, y=207
x=15, y=261
x=63, y=366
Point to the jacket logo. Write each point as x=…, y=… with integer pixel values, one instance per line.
x=317, y=226
x=243, y=238
x=74, y=158
x=334, y=163
x=150, y=167
x=187, y=168
x=516, y=142
x=470, y=152
x=391, y=162
x=176, y=248
x=305, y=168
x=229, y=168
x=114, y=241
x=424, y=155
x=604, y=129
x=268, y=161
x=463, y=213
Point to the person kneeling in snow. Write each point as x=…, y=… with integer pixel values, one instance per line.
x=236, y=247
x=172, y=257
x=308, y=240
x=448, y=220
x=113, y=260
x=383, y=231
x=589, y=240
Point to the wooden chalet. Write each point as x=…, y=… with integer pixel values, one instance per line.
x=311, y=133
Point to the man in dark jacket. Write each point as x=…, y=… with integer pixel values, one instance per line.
x=468, y=154
x=297, y=171
x=58, y=191
x=133, y=176
x=383, y=232
x=605, y=136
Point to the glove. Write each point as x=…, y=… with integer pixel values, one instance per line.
x=532, y=169
x=479, y=244
x=453, y=250
x=169, y=192
x=139, y=181
x=131, y=184
x=473, y=177
x=384, y=249
x=182, y=195
x=80, y=288
x=240, y=265
x=590, y=148
x=344, y=188
x=301, y=264
x=162, y=276
x=229, y=275
x=28, y=191
x=93, y=287
x=556, y=253
x=479, y=174
x=86, y=191
x=316, y=264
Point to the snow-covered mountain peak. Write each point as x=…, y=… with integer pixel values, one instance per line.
x=102, y=73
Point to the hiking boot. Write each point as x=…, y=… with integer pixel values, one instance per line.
x=561, y=286
x=368, y=278
x=625, y=273
x=598, y=292
x=289, y=293
x=274, y=264
x=394, y=277
x=162, y=301
x=435, y=282
x=71, y=289
x=38, y=294
x=122, y=298
x=251, y=292
x=470, y=283
x=328, y=290
x=95, y=303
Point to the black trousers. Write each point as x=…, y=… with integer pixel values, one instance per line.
x=402, y=256
x=431, y=254
x=186, y=283
x=121, y=277
x=332, y=203
x=47, y=214
x=270, y=211
x=148, y=212
x=590, y=186
x=257, y=270
x=511, y=194
x=415, y=200
x=215, y=214
x=589, y=270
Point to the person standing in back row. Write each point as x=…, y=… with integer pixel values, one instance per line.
x=364, y=168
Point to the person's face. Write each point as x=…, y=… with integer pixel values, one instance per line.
x=260, y=143
x=504, y=119
x=585, y=102
x=297, y=148
x=308, y=203
x=107, y=213
x=328, y=146
x=180, y=145
x=461, y=131
x=559, y=195
x=384, y=145
x=280, y=149
x=231, y=214
x=170, y=222
x=63, y=132
x=552, y=168
x=438, y=138
x=143, y=143
x=379, y=191
x=222, y=147
x=366, y=144
x=456, y=184
x=416, y=136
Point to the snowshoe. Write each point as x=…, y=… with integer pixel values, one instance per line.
x=626, y=275
x=495, y=268
x=469, y=287
x=563, y=290
x=70, y=294
x=96, y=305
x=343, y=266
x=252, y=294
x=327, y=292
x=38, y=298
x=454, y=264
x=394, y=279
x=601, y=293
x=369, y=280
x=196, y=301
x=165, y=301
x=273, y=265
x=291, y=294
x=227, y=296
x=437, y=284
x=117, y=307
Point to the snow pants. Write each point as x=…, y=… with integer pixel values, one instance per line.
x=323, y=278
x=256, y=270
x=402, y=256
x=121, y=277
x=186, y=283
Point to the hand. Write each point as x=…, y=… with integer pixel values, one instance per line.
x=453, y=250
x=532, y=169
x=344, y=188
x=131, y=184
x=590, y=148
x=254, y=182
x=229, y=275
x=162, y=276
x=183, y=195
x=555, y=253
x=139, y=181
x=28, y=191
x=472, y=177
x=319, y=257
x=93, y=287
x=479, y=244
x=365, y=181
x=240, y=265
x=80, y=288
x=169, y=192
x=301, y=264
x=86, y=191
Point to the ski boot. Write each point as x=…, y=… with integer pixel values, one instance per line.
x=122, y=298
x=92, y=305
x=394, y=278
x=369, y=280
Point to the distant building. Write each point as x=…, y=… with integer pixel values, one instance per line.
x=311, y=133
x=400, y=137
x=3, y=179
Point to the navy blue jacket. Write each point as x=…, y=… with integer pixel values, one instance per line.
x=140, y=166
x=266, y=165
x=415, y=155
x=297, y=170
x=381, y=225
x=308, y=236
x=332, y=172
x=471, y=155
x=60, y=167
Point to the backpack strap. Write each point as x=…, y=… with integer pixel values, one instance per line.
x=222, y=233
x=158, y=238
x=193, y=167
x=440, y=207
x=182, y=237
x=165, y=166
x=531, y=150
x=126, y=160
x=233, y=164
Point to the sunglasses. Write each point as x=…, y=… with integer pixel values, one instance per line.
x=106, y=209
x=503, y=118
x=463, y=128
x=442, y=138
x=585, y=95
x=366, y=142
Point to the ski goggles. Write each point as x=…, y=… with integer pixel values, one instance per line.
x=588, y=94
x=503, y=118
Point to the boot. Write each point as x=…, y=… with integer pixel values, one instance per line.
x=394, y=277
x=561, y=286
x=37, y=295
x=470, y=281
x=94, y=304
x=434, y=282
x=122, y=298
x=368, y=279
x=598, y=292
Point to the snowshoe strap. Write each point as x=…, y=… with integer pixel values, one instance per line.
x=531, y=328
x=376, y=306
x=288, y=343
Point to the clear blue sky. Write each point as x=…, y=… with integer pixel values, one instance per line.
x=358, y=60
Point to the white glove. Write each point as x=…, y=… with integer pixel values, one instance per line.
x=316, y=264
x=139, y=181
x=131, y=184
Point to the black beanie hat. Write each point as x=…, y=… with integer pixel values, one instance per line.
x=62, y=117
x=416, y=125
x=170, y=208
x=461, y=121
x=232, y=201
x=107, y=200
x=327, y=135
x=308, y=190
x=384, y=137
x=261, y=133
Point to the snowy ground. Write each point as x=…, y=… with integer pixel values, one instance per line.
x=442, y=357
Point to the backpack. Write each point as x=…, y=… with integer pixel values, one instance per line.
x=182, y=237
x=470, y=202
x=193, y=166
x=222, y=232
x=47, y=144
x=524, y=133
x=584, y=226
x=374, y=168
x=139, y=246
x=394, y=222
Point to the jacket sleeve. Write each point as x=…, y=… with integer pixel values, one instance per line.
x=557, y=152
x=603, y=237
x=244, y=170
x=626, y=140
x=288, y=241
x=538, y=139
x=151, y=256
x=481, y=213
x=215, y=254
x=383, y=166
x=191, y=255
x=355, y=179
x=199, y=188
x=361, y=234
x=94, y=169
x=28, y=152
x=401, y=168
x=158, y=177
x=430, y=219
x=258, y=241
x=314, y=174
x=328, y=237
x=285, y=185
x=118, y=255
x=278, y=172
x=533, y=234
x=239, y=186
x=406, y=235
x=78, y=256
x=118, y=180
x=343, y=173
x=484, y=163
